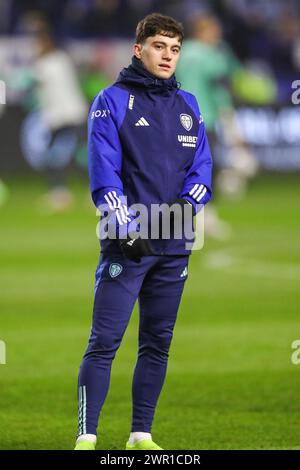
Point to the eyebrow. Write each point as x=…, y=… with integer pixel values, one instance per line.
x=165, y=44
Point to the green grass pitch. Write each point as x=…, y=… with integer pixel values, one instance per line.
x=230, y=382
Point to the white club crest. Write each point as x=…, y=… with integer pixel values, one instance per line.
x=115, y=269
x=187, y=121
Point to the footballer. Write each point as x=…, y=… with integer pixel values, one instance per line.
x=147, y=146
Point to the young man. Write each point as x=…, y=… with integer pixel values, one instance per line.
x=147, y=146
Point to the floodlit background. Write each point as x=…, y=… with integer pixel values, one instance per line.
x=232, y=382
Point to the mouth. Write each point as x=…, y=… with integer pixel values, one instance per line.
x=164, y=67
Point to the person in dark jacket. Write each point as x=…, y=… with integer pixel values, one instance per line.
x=147, y=149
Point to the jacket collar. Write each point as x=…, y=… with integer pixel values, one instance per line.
x=136, y=74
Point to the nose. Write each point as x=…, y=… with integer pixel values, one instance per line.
x=167, y=54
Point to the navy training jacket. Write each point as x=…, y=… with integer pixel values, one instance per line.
x=147, y=144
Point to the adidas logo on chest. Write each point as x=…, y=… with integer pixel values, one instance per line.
x=142, y=122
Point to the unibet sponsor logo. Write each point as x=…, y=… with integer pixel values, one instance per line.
x=187, y=140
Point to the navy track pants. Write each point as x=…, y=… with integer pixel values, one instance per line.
x=157, y=282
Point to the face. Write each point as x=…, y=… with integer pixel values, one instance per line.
x=159, y=55
x=208, y=30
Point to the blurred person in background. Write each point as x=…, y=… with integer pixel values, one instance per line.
x=3, y=187
x=62, y=111
x=206, y=68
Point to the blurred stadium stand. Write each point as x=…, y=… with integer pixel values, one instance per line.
x=97, y=34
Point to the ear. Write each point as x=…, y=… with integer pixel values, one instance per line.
x=137, y=50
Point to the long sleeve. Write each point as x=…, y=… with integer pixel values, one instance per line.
x=105, y=159
x=197, y=183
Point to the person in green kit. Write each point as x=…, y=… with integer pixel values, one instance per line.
x=211, y=66
x=206, y=69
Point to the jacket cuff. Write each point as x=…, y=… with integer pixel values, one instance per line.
x=198, y=195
